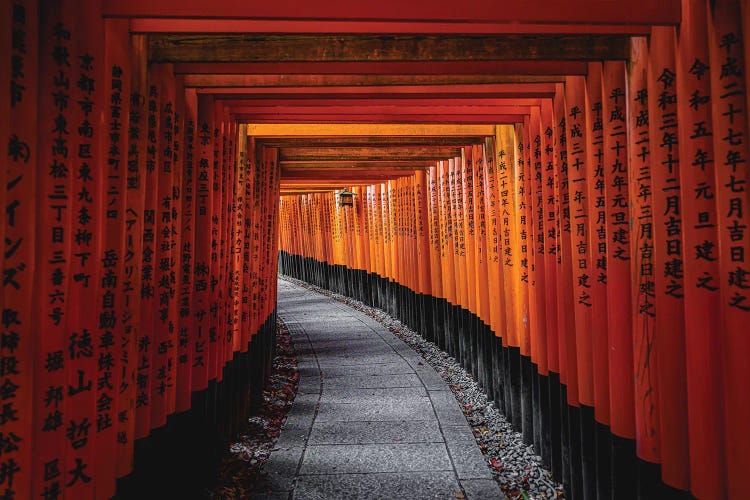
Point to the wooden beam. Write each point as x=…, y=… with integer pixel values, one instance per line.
x=381, y=48
x=468, y=11
x=375, y=110
x=292, y=155
x=335, y=142
x=280, y=82
x=344, y=94
x=379, y=118
x=364, y=130
x=497, y=104
x=437, y=68
x=354, y=164
x=151, y=25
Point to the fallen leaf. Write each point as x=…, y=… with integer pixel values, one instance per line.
x=459, y=495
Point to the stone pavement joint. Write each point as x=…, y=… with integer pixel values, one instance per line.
x=368, y=421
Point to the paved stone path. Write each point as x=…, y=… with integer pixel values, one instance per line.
x=371, y=419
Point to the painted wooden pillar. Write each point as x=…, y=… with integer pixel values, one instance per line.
x=579, y=352
x=24, y=172
x=468, y=251
x=619, y=310
x=202, y=248
x=597, y=240
x=700, y=251
x=669, y=344
x=537, y=283
x=147, y=338
x=730, y=144
x=480, y=230
x=509, y=243
x=565, y=268
x=549, y=218
x=114, y=396
x=163, y=376
x=642, y=258
x=132, y=278
x=186, y=325
x=422, y=221
x=436, y=268
x=493, y=235
x=86, y=333
x=525, y=231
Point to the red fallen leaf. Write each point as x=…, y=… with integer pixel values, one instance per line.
x=496, y=464
x=468, y=407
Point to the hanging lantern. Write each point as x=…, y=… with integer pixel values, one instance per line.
x=346, y=198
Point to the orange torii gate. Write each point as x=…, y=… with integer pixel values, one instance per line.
x=585, y=259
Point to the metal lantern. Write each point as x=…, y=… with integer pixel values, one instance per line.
x=346, y=198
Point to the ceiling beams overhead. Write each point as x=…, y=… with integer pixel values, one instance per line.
x=384, y=48
x=360, y=92
x=467, y=12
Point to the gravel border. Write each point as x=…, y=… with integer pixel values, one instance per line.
x=514, y=465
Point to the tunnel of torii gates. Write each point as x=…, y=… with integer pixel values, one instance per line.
x=556, y=194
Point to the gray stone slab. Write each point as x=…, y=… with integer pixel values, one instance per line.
x=311, y=387
x=292, y=437
x=446, y=408
x=481, y=489
x=370, y=458
x=419, y=431
x=359, y=359
x=370, y=414
x=280, y=470
x=416, y=486
x=430, y=378
x=374, y=381
x=351, y=394
x=361, y=370
x=298, y=421
x=467, y=459
x=372, y=411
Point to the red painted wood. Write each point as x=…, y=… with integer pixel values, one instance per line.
x=381, y=118
x=164, y=338
x=537, y=245
x=549, y=217
x=147, y=342
x=526, y=226
x=112, y=308
x=597, y=240
x=132, y=279
x=234, y=87
x=564, y=295
x=580, y=352
x=21, y=145
x=669, y=342
x=731, y=153
x=533, y=11
x=186, y=328
x=85, y=335
x=156, y=25
x=642, y=265
x=701, y=250
x=204, y=204
x=387, y=68
x=618, y=289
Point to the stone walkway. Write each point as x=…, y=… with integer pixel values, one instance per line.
x=371, y=419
